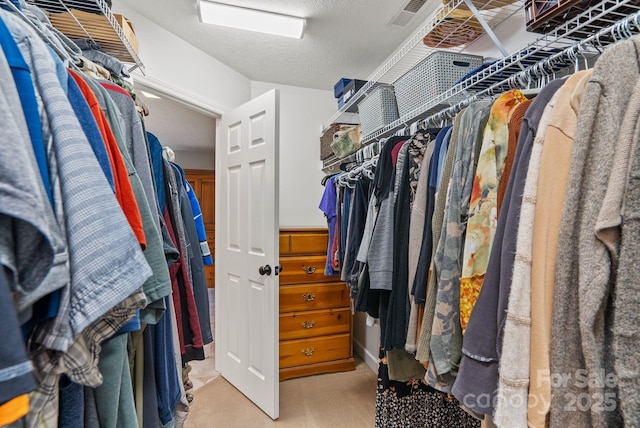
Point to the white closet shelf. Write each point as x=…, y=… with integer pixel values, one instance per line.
x=551, y=49
x=602, y=15
x=92, y=19
x=407, y=56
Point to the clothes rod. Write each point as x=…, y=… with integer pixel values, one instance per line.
x=622, y=29
x=618, y=31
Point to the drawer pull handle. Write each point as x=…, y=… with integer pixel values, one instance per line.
x=309, y=297
x=309, y=269
x=309, y=352
x=308, y=324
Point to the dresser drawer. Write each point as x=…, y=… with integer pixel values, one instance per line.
x=297, y=325
x=313, y=296
x=302, y=269
x=306, y=241
x=314, y=350
x=309, y=243
x=210, y=275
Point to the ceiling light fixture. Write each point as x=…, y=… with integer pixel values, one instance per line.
x=251, y=19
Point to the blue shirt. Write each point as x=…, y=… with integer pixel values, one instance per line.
x=433, y=172
x=328, y=207
x=90, y=128
x=443, y=156
x=155, y=151
x=24, y=83
x=197, y=217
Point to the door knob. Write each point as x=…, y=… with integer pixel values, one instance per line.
x=265, y=270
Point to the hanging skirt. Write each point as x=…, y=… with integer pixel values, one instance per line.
x=414, y=404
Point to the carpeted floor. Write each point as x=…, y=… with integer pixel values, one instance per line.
x=330, y=400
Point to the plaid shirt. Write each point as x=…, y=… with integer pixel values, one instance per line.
x=79, y=362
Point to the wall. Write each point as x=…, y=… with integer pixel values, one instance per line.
x=184, y=70
x=366, y=340
x=195, y=159
x=511, y=33
x=302, y=114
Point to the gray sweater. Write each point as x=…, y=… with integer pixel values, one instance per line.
x=626, y=317
x=581, y=314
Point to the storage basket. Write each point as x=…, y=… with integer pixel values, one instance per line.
x=540, y=15
x=544, y=16
x=377, y=109
x=347, y=141
x=454, y=28
x=431, y=77
x=327, y=137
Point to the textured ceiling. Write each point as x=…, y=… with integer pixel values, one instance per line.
x=344, y=38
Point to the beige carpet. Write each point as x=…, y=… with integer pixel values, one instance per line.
x=330, y=400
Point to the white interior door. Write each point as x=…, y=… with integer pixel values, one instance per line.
x=247, y=227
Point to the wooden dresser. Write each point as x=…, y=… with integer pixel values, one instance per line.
x=316, y=325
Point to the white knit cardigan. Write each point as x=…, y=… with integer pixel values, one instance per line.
x=513, y=384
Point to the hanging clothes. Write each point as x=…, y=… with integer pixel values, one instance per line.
x=83, y=245
x=625, y=292
x=515, y=351
x=380, y=252
x=328, y=207
x=483, y=205
x=357, y=220
x=196, y=262
x=414, y=404
x=43, y=251
x=586, y=263
x=441, y=319
x=398, y=319
x=478, y=372
x=552, y=187
x=418, y=227
x=16, y=371
x=191, y=345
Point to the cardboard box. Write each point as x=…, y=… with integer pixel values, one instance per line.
x=127, y=27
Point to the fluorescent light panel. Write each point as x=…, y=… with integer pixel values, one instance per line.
x=251, y=19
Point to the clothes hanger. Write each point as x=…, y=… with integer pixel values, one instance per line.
x=574, y=58
x=553, y=70
x=358, y=156
x=367, y=168
x=16, y=11
x=585, y=60
x=402, y=132
x=54, y=39
x=414, y=128
x=351, y=180
x=636, y=22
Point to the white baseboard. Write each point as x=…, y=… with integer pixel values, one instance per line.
x=366, y=355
